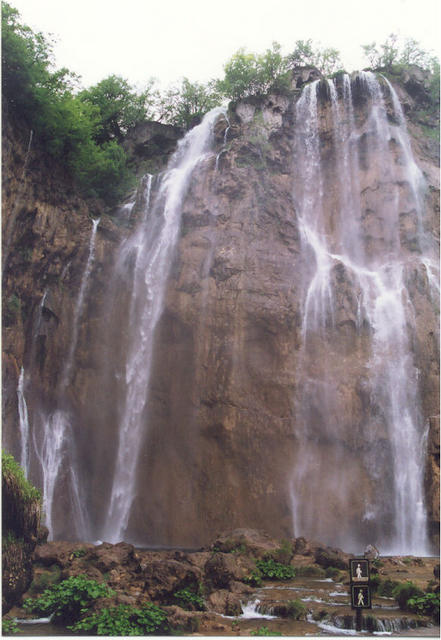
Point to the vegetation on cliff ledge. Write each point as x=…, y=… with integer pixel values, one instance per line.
x=83, y=129
x=21, y=513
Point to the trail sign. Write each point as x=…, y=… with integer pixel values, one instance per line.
x=359, y=570
x=361, y=597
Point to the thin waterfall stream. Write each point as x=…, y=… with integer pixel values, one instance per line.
x=53, y=439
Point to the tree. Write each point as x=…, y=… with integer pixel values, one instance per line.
x=249, y=74
x=326, y=60
x=119, y=106
x=391, y=53
x=182, y=105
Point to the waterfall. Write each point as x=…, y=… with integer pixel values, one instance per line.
x=79, y=307
x=147, y=256
x=354, y=288
x=23, y=418
x=53, y=437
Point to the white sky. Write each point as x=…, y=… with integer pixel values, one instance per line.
x=138, y=39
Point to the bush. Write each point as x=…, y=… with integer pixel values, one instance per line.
x=273, y=570
x=188, y=599
x=254, y=579
x=9, y=627
x=426, y=605
x=296, y=609
x=124, y=620
x=405, y=591
x=68, y=600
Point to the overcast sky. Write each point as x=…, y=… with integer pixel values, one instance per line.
x=138, y=39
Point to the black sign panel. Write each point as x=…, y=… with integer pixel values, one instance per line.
x=359, y=570
x=360, y=596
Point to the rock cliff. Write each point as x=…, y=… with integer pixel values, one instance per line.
x=225, y=424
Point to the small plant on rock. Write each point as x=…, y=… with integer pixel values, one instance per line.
x=273, y=570
x=68, y=600
x=124, y=620
x=188, y=599
x=263, y=631
x=296, y=610
x=254, y=579
x=9, y=627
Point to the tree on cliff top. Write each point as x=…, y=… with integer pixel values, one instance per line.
x=251, y=74
x=185, y=104
x=118, y=106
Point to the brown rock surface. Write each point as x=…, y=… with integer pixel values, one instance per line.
x=222, y=432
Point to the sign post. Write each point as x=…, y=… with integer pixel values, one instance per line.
x=359, y=572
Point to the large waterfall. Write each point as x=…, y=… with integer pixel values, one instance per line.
x=350, y=277
x=250, y=341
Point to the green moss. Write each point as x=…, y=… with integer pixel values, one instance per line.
x=11, y=469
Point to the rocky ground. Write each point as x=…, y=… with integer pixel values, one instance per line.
x=234, y=602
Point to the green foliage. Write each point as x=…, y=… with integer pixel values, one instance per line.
x=425, y=605
x=79, y=553
x=183, y=105
x=384, y=588
x=118, y=106
x=296, y=609
x=79, y=130
x=391, y=52
x=254, y=579
x=248, y=74
x=9, y=627
x=188, y=599
x=68, y=600
x=10, y=467
x=273, y=570
x=102, y=171
x=404, y=591
x=124, y=620
x=264, y=631
x=305, y=54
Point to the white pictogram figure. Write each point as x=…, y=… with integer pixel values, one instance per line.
x=358, y=571
x=360, y=601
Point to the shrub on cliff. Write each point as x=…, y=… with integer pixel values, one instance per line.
x=21, y=513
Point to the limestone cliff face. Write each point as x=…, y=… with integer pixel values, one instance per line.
x=224, y=428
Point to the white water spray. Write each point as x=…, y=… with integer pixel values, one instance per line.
x=152, y=246
x=374, y=276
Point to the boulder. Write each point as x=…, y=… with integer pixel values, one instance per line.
x=222, y=569
x=256, y=542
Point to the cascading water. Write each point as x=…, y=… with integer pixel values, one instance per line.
x=355, y=283
x=52, y=436
x=147, y=257
x=23, y=416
